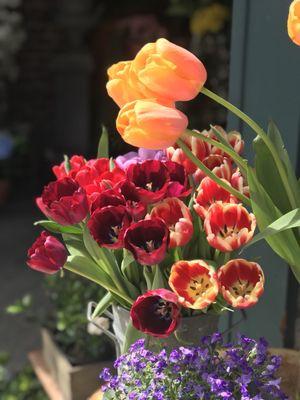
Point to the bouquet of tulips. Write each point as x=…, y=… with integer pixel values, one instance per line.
x=160, y=229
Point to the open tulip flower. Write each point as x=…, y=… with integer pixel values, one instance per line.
x=177, y=217
x=156, y=313
x=228, y=226
x=241, y=282
x=195, y=282
x=157, y=227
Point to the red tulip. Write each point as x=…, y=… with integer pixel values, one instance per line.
x=151, y=179
x=242, y=282
x=239, y=182
x=208, y=193
x=76, y=162
x=178, y=219
x=219, y=165
x=109, y=197
x=195, y=282
x=135, y=207
x=64, y=201
x=107, y=226
x=228, y=226
x=178, y=186
x=156, y=313
x=148, y=240
x=47, y=254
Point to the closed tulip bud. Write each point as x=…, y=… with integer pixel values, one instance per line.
x=148, y=124
x=47, y=254
x=293, y=23
x=169, y=71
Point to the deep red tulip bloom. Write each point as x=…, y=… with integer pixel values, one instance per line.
x=178, y=219
x=109, y=197
x=64, y=201
x=156, y=313
x=108, y=225
x=208, y=193
x=219, y=165
x=129, y=191
x=76, y=162
x=47, y=254
x=151, y=179
x=178, y=186
x=228, y=226
x=148, y=240
x=242, y=283
x=195, y=282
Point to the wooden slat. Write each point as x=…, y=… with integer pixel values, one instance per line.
x=44, y=376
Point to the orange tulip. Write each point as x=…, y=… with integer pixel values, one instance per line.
x=148, y=124
x=195, y=282
x=169, y=71
x=123, y=86
x=293, y=23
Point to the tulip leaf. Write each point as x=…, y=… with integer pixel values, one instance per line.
x=103, y=146
x=283, y=243
x=103, y=305
x=54, y=227
x=67, y=164
x=286, y=221
x=158, y=280
x=75, y=245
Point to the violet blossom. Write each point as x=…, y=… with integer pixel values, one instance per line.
x=133, y=157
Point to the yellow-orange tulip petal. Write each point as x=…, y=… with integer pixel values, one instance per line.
x=293, y=23
x=148, y=124
x=169, y=71
x=195, y=282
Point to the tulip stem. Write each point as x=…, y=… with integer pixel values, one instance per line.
x=227, y=149
x=260, y=132
x=211, y=175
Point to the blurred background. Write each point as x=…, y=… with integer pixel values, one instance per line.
x=53, y=60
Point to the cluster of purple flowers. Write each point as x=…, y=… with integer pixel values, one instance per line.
x=212, y=370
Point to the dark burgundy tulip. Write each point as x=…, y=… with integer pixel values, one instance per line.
x=109, y=197
x=156, y=313
x=178, y=186
x=136, y=208
x=47, y=254
x=151, y=178
x=148, y=240
x=64, y=201
x=108, y=225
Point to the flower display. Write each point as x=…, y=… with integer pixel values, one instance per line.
x=64, y=201
x=178, y=219
x=47, y=254
x=211, y=369
x=148, y=240
x=158, y=227
x=195, y=282
x=293, y=23
x=157, y=313
x=242, y=282
x=228, y=226
x=147, y=123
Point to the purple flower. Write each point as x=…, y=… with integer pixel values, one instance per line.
x=134, y=157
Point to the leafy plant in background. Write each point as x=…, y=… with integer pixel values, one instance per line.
x=22, y=386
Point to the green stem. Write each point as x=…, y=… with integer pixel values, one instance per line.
x=211, y=175
x=238, y=159
x=260, y=132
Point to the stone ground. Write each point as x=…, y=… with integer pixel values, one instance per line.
x=17, y=334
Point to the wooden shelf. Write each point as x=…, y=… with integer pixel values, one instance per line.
x=49, y=385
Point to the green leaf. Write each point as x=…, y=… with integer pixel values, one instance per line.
x=158, y=280
x=286, y=221
x=103, y=146
x=54, y=227
x=20, y=305
x=67, y=163
x=109, y=395
x=283, y=243
x=103, y=304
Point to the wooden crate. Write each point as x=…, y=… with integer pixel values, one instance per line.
x=75, y=383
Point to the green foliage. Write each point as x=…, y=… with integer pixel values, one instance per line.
x=20, y=306
x=67, y=320
x=103, y=146
x=54, y=227
x=22, y=386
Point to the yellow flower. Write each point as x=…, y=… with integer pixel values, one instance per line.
x=293, y=23
x=209, y=19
